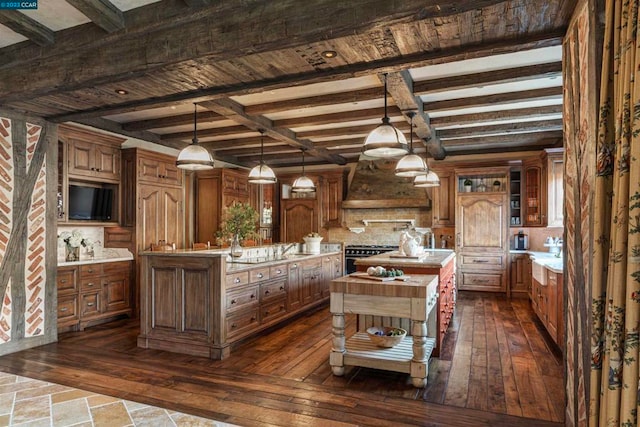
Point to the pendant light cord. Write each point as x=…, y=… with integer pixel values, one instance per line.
x=411, y=115
x=302, y=162
x=386, y=118
x=261, y=146
x=195, y=123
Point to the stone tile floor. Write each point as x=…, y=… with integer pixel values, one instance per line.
x=27, y=402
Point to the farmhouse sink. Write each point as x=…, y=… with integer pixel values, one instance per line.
x=539, y=272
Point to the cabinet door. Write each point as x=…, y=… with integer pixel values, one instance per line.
x=207, y=207
x=117, y=293
x=534, y=202
x=107, y=162
x=172, y=218
x=149, y=206
x=81, y=158
x=519, y=286
x=170, y=174
x=294, y=296
x=331, y=200
x=444, y=200
x=555, y=199
x=481, y=224
x=552, y=305
x=298, y=218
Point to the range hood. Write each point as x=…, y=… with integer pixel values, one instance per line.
x=375, y=186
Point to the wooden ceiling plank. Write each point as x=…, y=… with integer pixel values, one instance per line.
x=490, y=116
x=202, y=133
x=400, y=87
x=397, y=64
x=236, y=112
x=197, y=3
x=349, y=130
x=500, y=98
x=343, y=116
x=30, y=28
x=523, y=138
x=216, y=35
x=103, y=13
x=490, y=77
x=170, y=121
x=518, y=127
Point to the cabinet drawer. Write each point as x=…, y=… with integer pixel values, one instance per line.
x=278, y=271
x=67, y=308
x=258, y=274
x=91, y=283
x=482, y=281
x=237, y=279
x=90, y=304
x=273, y=310
x=66, y=281
x=482, y=261
x=118, y=269
x=242, y=321
x=241, y=299
x=89, y=270
x=274, y=289
x=312, y=264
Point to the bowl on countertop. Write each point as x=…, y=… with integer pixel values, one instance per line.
x=380, y=336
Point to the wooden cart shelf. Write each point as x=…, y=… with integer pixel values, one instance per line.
x=414, y=299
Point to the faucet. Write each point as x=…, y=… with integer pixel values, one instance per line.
x=285, y=248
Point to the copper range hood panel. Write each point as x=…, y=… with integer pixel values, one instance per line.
x=375, y=186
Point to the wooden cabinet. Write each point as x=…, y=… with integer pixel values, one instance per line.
x=444, y=211
x=555, y=188
x=482, y=241
x=301, y=214
x=91, y=156
x=520, y=277
x=153, y=205
x=331, y=269
x=534, y=203
x=294, y=295
x=552, y=304
x=298, y=217
x=215, y=190
x=547, y=302
x=161, y=215
x=515, y=197
x=158, y=169
x=93, y=293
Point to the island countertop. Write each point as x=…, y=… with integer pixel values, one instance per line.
x=434, y=258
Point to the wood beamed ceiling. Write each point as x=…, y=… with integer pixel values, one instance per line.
x=483, y=76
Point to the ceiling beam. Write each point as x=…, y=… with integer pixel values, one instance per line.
x=508, y=75
x=203, y=133
x=103, y=13
x=499, y=98
x=197, y=3
x=519, y=127
x=235, y=111
x=30, y=28
x=156, y=40
x=400, y=87
x=526, y=138
x=501, y=115
x=317, y=76
x=349, y=130
x=170, y=121
x=341, y=117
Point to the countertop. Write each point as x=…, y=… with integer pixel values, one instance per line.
x=416, y=286
x=105, y=255
x=548, y=259
x=433, y=258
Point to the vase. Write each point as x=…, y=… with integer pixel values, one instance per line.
x=236, y=249
x=72, y=254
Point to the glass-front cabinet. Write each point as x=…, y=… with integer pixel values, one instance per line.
x=534, y=202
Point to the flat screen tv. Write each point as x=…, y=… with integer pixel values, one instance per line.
x=90, y=203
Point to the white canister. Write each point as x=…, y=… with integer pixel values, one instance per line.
x=312, y=244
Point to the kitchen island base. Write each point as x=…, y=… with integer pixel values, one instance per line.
x=414, y=298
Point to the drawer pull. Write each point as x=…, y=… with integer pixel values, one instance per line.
x=63, y=281
x=282, y=288
x=233, y=325
x=253, y=319
x=90, y=284
x=479, y=261
x=266, y=313
x=278, y=271
x=252, y=296
x=267, y=292
x=294, y=266
x=233, y=301
x=90, y=270
x=90, y=304
x=260, y=275
x=236, y=280
x=64, y=309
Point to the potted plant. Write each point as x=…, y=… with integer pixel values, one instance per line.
x=467, y=185
x=239, y=223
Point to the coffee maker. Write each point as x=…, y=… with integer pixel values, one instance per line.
x=520, y=241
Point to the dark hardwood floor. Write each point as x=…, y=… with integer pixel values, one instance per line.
x=497, y=368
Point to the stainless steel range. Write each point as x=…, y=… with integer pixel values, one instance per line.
x=353, y=252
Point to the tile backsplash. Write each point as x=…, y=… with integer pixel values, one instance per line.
x=537, y=236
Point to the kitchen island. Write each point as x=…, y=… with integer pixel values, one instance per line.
x=440, y=262
x=200, y=303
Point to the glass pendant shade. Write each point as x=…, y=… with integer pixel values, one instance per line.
x=385, y=140
x=411, y=164
x=194, y=157
x=429, y=180
x=262, y=174
x=303, y=184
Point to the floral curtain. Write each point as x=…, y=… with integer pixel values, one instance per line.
x=616, y=264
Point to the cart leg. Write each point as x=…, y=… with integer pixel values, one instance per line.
x=420, y=361
x=336, y=358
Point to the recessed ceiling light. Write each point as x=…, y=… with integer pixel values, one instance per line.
x=329, y=53
x=121, y=92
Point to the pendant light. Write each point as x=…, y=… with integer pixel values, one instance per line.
x=431, y=179
x=385, y=140
x=411, y=164
x=262, y=174
x=194, y=157
x=303, y=184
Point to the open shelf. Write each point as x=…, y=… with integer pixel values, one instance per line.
x=360, y=351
